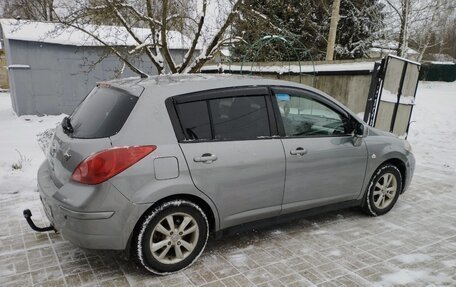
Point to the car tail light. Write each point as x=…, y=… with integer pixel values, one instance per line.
x=105, y=164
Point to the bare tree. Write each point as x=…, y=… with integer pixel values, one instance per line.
x=158, y=19
x=42, y=10
x=416, y=19
x=430, y=31
x=448, y=39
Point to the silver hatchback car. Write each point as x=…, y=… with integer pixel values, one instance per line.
x=155, y=165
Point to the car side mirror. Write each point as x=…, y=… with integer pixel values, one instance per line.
x=359, y=130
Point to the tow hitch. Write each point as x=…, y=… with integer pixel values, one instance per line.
x=28, y=217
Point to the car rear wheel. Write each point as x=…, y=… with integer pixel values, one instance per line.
x=384, y=190
x=172, y=237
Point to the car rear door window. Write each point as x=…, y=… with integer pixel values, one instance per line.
x=224, y=118
x=194, y=118
x=239, y=118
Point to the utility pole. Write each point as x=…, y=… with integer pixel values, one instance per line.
x=333, y=30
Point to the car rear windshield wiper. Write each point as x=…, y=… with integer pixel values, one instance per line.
x=66, y=125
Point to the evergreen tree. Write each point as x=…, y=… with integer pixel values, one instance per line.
x=306, y=22
x=361, y=23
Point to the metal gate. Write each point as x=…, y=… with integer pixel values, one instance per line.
x=392, y=95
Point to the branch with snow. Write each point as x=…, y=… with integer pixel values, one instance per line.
x=215, y=43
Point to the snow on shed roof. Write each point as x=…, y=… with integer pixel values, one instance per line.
x=56, y=33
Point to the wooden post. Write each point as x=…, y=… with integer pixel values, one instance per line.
x=333, y=30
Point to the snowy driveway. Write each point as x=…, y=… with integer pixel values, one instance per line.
x=414, y=245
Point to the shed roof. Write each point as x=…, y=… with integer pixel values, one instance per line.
x=56, y=33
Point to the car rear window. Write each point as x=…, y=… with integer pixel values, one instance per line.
x=102, y=113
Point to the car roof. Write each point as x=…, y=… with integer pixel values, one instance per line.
x=178, y=84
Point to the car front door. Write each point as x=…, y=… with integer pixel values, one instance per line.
x=323, y=162
x=231, y=153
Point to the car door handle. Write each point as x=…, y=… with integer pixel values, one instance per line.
x=298, y=151
x=206, y=158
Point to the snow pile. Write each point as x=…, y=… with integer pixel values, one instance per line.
x=433, y=130
x=442, y=63
x=20, y=153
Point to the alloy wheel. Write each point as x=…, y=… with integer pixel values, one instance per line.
x=385, y=191
x=174, y=238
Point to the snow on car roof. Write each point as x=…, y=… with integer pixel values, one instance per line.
x=56, y=33
x=171, y=79
x=194, y=82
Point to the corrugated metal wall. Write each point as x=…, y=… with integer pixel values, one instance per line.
x=53, y=79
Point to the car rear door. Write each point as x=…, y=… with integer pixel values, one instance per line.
x=227, y=139
x=323, y=162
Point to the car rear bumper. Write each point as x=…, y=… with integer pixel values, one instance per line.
x=85, y=219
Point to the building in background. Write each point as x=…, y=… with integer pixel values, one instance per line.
x=51, y=68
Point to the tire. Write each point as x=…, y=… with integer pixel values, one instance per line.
x=158, y=242
x=383, y=191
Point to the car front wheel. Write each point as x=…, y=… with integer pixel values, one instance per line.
x=383, y=190
x=172, y=237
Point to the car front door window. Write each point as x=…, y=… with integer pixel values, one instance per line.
x=304, y=116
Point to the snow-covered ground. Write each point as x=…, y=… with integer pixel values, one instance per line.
x=413, y=245
x=20, y=154
x=433, y=129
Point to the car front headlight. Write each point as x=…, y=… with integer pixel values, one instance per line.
x=408, y=146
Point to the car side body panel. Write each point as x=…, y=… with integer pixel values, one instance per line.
x=245, y=182
x=332, y=170
x=383, y=147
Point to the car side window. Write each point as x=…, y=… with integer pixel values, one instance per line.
x=227, y=118
x=194, y=118
x=238, y=118
x=304, y=116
